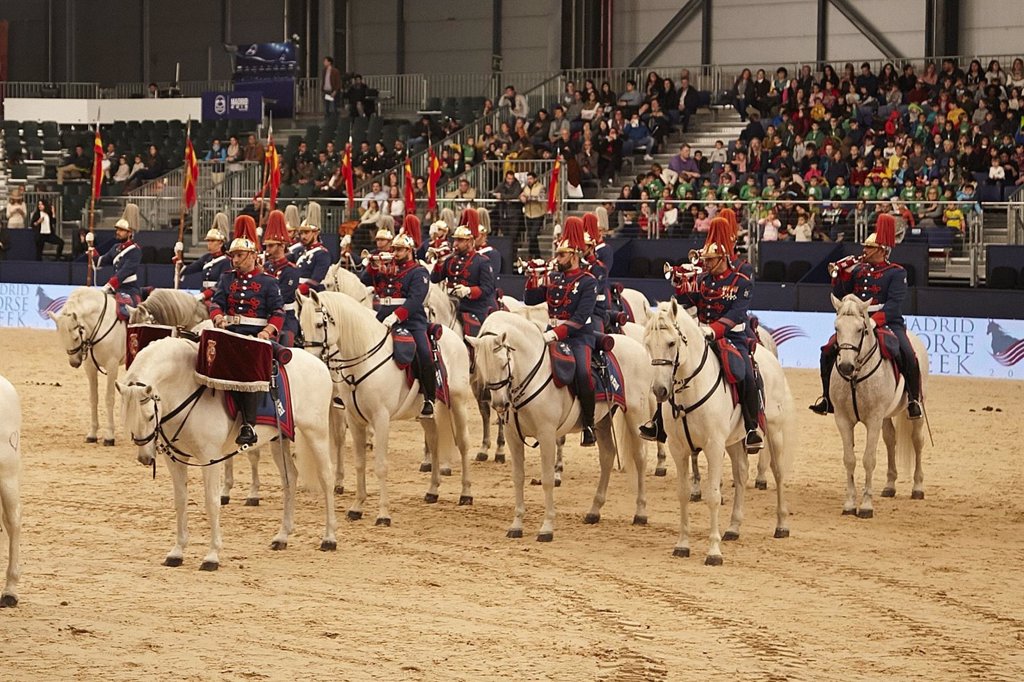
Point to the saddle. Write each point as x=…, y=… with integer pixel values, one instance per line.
x=605, y=373
x=404, y=354
x=732, y=366
x=275, y=406
x=122, y=301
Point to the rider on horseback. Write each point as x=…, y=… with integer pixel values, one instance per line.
x=400, y=288
x=571, y=294
x=467, y=275
x=593, y=265
x=871, y=277
x=275, y=243
x=482, y=247
x=438, y=247
x=125, y=256
x=214, y=262
x=314, y=261
x=247, y=301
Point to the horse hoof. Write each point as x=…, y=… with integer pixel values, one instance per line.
x=545, y=537
x=682, y=552
x=591, y=518
x=252, y=502
x=224, y=499
x=108, y=442
x=339, y=490
x=465, y=500
x=446, y=471
x=695, y=497
x=760, y=485
x=639, y=520
x=781, y=533
x=172, y=561
x=730, y=535
x=91, y=439
x=328, y=546
x=535, y=481
x=354, y=515
x=209, y=566
x=481, y=456
x=425, y=468
x=917, y=495
x=865, y=513
x=661, y=471
x=558, y=483
x=849, y=512
x=888, y=492
x=430, y=498
x=499, y=459
x=278, y=545
x=8, y=601
x=383, y=521
x=713, y=560
x=514, y=533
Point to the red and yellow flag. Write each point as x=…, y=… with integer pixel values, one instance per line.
x=346, y=174
x=97, y=164
x=273, y=169
x=410, y=189
x=433, y=175
x=191, y=173
x=553, y=187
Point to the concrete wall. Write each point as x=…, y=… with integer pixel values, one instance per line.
x=992, y=27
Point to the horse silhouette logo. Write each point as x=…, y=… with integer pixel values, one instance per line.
x=785, y=333
x=49, y=305
x=1007, y=350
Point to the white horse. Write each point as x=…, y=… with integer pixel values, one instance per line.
x=168, y=411
x=341, y=279
x=10, y=496
x=91, y=334
x=359, y=351
x=513, y=361
x=864, y=389
x=700, y=415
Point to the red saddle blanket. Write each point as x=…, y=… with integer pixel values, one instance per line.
x=605, y=373
x=405, y=352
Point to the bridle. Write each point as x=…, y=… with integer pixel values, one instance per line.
x=855, y=377
x=515, y=394
x=87, y=344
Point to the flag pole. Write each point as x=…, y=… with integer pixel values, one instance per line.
x=90, y=236
x=186, y=177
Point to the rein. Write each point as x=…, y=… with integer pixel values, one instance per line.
x=516, y=392
x=853, y=379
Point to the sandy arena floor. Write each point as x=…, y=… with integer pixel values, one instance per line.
x=926, y=590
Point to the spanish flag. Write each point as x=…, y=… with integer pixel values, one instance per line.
x=273, y=169
x=433, y=175
x=410, y=188
x=346, y=174
x=97, y=164
x=553, y=187
x=191, y=169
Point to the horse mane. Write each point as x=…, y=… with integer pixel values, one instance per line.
x=357, y=325
x=163, y=359
x=500, y=320
x=84, y=300
x=851, y=305
x=175, y=308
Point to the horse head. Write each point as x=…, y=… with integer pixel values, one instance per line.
x=139, y=414
x=71, y=334
x=140, y=314
x=316, y=323
x=667, y=344
x=993, y=328
x=494, y=367
x=853, y=326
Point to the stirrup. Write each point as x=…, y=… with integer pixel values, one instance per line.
x=753, y=442
x=428, y=410
x=246, y=435
x=822, y=407
x=914, y=410
x=649, y=431
x=588, y=438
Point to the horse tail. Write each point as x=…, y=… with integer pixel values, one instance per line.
x=906, y=453
x=305, y=464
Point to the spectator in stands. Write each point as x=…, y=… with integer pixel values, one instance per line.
x=138, y=165
x=330, y=87
x=152, y=91
x=376, y=193
x=155, y=167
x=216, y=156
x=557, y=125
x=463, y=194
x=606, y=96
x=254, y=149
x=357, y=95
x=533, y=199
x=45, y=227
x=422, y=131
x=684, y=165
x=234, y=155
x=631, y=98
x=513, y=104
x=254, y=209
x=688, y=102
x=122, y=172
x=394, y=205
x=510, y=211
x=610, y=149
x=77, y=164
x=371, y=213
x=742, y=93
x=637, y=136
x=15, y=211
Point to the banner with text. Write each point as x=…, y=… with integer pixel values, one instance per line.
x=238, y=105
x=29, y=305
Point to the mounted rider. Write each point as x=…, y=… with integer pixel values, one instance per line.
x=125, y=257
x=721, y=296
x=481, y=246
x=400, y=287
x=292, y=220
x=214, y=263
x=315, y=260
x=593, y=264
x=738, y=263
x=438, y=246
x=467, y=275
x=275, y=244
x=247, y=301
x=570, y=294
x=883, y=284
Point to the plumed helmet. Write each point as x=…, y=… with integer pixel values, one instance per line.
x=384, y=233
x=214, y=235
x=245, y=227
x=463, y=232
x=885, y=232
x=240, y=244
x=591, y=229
x=470, y=220
x=411, y=226
x=483, y=221
x=277, y=229
x=312, y=221
x=720, y=232
x=403, y=241
x=573, y=239
x=714, y=250
x=222, y=223
x=291, y=217
x=131, y=216
x=123, y=224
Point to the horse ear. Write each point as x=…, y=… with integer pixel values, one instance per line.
x=149, y=390
x=314, y=296
x=674, y=308
x=131, y=310
x=835, y=302
x=501, y=338
x=49, y=313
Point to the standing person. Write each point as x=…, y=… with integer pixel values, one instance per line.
x=16, y=211
x=467, y=275
x=275, y=244
x=214, y=262
x=534, y=201
x=314, y=261
x=570, y=294
x=510, y=212
x=45, y=228
x=125, y=257
x=482, y=247
x=872, y=277
x=247, y=301
x=331, y=87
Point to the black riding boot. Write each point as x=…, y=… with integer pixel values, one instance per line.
x=750, y=406
x=247, y=405
x=655, y=428
x=912, y=380
x=428, y=387
x=587, y=400
x=824, y=404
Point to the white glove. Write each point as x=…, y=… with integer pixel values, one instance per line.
x=346, y=240
x=708, y=332
x=391, y=320
x=201, y=297
x=89, y=237
x=178, y=247
x=550, y=336
x=107, y=289
x=371, y=291
x=461, y=290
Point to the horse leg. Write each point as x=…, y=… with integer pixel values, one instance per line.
x=289, y=477
x=499, y=452
x=94, y=401
x=460, y=438
x=866, y=510
x=659, y=466
x=763, y=462
x=355, y=512
x=433, y=444
x=606, y=456
x=228, y=481
x=917, y=437
x=516, y=450
x=845, y=427
x=11, y=504
x=634, y=447
x=179, y=478
x=253, y=498
x=682, y=460
x=715, y=453
x=889, y=438
x=380, y=456
x=485, y=418
x=319, y=450
x=695, y=495
x=111, y=391
x=339, y=426
x=547, y=482
x=211, y=476
x=776, y=443
x=740, y=467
